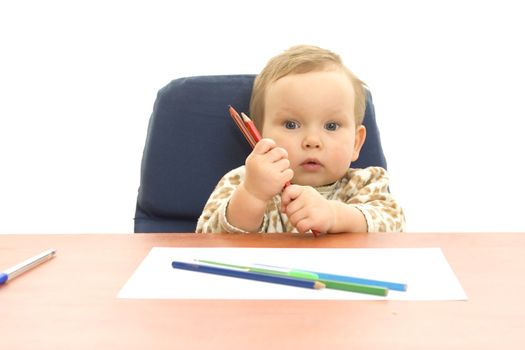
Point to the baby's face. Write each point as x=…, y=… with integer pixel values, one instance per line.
x=311, y=115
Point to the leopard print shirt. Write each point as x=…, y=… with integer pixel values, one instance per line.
x=365, y=189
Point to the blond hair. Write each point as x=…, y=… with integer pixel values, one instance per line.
x=296, y=60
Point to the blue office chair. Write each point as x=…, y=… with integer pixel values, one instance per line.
x=192, y=142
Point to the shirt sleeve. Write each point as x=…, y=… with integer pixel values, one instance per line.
x=369, y=192
x=213, y=218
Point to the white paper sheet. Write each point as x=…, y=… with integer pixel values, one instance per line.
x=425, y=271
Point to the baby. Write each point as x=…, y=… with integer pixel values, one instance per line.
x=309, y=108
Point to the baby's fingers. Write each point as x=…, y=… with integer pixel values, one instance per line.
x=264, y=146
x=289, y=193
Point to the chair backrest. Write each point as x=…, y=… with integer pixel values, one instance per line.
x=192, y=142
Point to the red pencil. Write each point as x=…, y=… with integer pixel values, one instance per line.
x=248, y=135
x=251, y=127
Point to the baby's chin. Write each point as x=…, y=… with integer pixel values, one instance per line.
x=313, y=180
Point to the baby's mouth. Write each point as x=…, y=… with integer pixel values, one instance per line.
x=311, y=164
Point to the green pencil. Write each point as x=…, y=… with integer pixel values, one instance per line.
x=345, y=286
x=355, y=287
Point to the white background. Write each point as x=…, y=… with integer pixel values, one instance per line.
x=78, y=80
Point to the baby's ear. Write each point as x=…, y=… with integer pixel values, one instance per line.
x=360, y=136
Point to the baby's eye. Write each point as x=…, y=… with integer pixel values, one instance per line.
x=290, y=124
x=331, y=126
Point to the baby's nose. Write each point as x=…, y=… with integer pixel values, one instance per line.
x=311, y=141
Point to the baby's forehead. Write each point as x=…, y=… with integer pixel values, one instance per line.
x=321, y=95
x=325, y=83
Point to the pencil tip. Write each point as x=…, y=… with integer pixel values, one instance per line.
x=319, y=285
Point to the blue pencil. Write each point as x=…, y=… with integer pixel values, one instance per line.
x=350, y=279
x=390, y=285
x=240, y=273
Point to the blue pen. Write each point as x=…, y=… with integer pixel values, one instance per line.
x=350, y=279
x=28, y=264
x=243, y=273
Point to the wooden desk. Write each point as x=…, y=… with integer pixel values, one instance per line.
x=70, y=301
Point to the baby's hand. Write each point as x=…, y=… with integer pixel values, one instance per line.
x=267, y=170
x=307, y=209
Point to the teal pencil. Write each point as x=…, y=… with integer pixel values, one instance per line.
x=402, y=287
